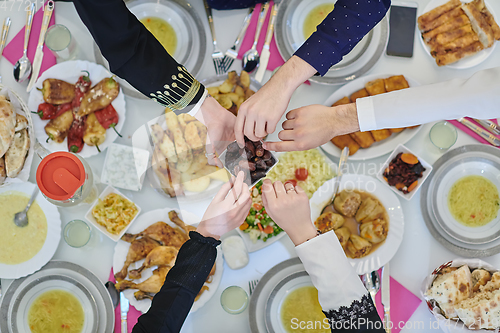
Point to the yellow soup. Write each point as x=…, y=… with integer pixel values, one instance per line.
x=301, y=312
x=56, y=311
x=315, y=17
x=163, y=32
x=18, y=244
x=473, y=201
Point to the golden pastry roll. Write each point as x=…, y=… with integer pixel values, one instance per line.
x=329, y=221
x=342, y=101
x=458, y=22
x=375, y=87
x=374, y=231
x=436, y=12
x=479, y=25
x=363, y=139
x=342, y=141
x=359, y=94
x=396, y=130
x=458, y=43
x=343, y=235
x=491, y=21
x=379, y=135
x=449, y=36
x=451, y=57
x=347, y=203
x=358, y=246
x=450, y=15
x=396, y=82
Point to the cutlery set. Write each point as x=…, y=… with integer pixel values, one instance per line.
x=251, y=59
x=488, y=130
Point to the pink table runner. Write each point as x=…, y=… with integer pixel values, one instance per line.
x=14, y=50
x=470, y=132
x=133, y=313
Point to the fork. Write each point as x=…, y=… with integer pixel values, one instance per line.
x=232, y=52
x=5, y=31
x=251, y=286
x=217, y=55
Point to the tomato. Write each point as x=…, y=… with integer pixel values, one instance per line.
x=291, y=181
x=257, y=206
x=301, y=174
x=268, y=229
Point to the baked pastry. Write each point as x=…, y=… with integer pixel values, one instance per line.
x=479, y=25
x=21, y=123
x=395, y=82
x=358, y=246
x=342, y=141
x=397, y=130
x=7, y=124
x=450, y=289
x=479, y=278
x=481, y=311
x=329, y=221
x=379, y=135
x=425, y=19
x=374, y=231
x=16, y=155
x=343, y=235
x=342, y=101
x=375, y=87
x=492, y=284
x=359, y=94
x=347, y=203
x=363, y=139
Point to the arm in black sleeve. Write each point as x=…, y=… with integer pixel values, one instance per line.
x=233, y=4
x=172, y=304
x=135, y=55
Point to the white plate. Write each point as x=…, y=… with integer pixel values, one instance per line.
x=25, y=299
x=467, y=62
x=402, y=149
x=85, y=277
x=51, y=242
x=89, y=217
x=70, y=71
x=484, y=234
x=378, y=148
x=144, y=221
x=383, y=254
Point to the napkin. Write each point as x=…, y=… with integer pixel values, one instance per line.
x=403, y=304
x=470, y=132
x=14, y=50
x=133, y=313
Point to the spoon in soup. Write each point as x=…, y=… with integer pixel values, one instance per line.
x=340, y=173
x=21, y=218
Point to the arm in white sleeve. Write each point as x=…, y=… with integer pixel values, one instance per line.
x=477, y=97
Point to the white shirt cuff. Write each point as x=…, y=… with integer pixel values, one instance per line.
x=197, y=106
x=331, y=273
x=366, y=114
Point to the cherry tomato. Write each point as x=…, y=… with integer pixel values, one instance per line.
x=257, y=206
x=301, y=174
x=291, y=181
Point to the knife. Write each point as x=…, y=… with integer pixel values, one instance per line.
x=124, y=305
x=5, y=32
x=489, y=125
x=386, y=297
x=481, y=132
x=37, y=62
x=266, y=53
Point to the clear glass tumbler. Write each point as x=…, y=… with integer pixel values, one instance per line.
x=62, y=44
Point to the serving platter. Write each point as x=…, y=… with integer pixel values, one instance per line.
x=191, y=37
x=261, y=295
x=289, y=37
x=70, y=71
x=58, y=270
x=467, y=160
x=467, y=62
x=384, y=253
x=51, y=241
x=378, y=148
x=144, y=221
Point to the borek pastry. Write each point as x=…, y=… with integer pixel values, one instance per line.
x=358, y=246
x=347, y=203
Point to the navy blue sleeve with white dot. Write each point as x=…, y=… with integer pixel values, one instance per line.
x=233, y=4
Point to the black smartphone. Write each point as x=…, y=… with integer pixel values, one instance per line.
x=402, y=22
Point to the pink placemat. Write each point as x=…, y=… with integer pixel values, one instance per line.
x=470, y=132
x=14, y=50
x=403, y=305
x=133, y=313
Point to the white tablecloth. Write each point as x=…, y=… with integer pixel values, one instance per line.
x=419, y=252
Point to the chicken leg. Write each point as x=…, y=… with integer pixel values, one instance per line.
x=172, y=215
x=159, y=256
x=151, y=285
x=138, y=250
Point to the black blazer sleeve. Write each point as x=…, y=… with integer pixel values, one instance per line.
x=171, y=305
x=135, y=55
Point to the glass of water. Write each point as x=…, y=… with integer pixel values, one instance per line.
x=443, y=135
x=77, y=233
x=62, y=44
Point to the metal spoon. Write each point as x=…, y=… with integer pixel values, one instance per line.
x=22, y=69
x=372, y=284
x=251, y=58
x=340, y=172
x=115, y=295
x=21, y=218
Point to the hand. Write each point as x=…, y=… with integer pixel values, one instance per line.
x=313, y=125
x=227, y=210
x=220, y=128
x=288, y=206
x=259, y=115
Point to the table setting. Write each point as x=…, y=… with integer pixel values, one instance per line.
x=108, y=218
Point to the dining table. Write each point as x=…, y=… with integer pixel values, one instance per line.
x=419, y=253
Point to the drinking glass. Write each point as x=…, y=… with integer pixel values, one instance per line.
x=234, y=300
x=77, y=233
x=61, y=43
x=443, y=135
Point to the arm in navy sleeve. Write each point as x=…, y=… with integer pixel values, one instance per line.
x=340, y=31
x=233, y=4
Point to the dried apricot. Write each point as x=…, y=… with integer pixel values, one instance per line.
x=399, y=186
x=412, y=186
x=409, y=158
